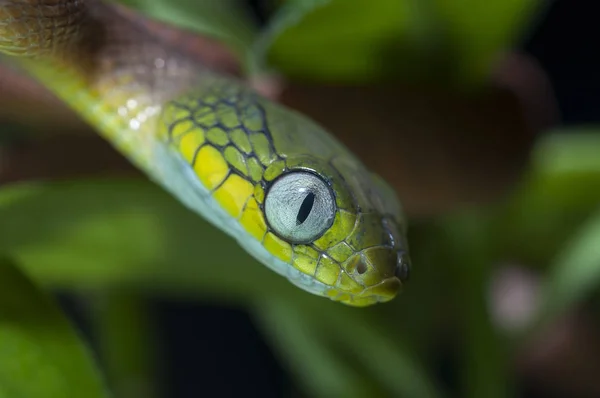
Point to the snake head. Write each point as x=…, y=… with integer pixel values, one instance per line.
x=343, y=227
x=339, y=228
x=294, y=197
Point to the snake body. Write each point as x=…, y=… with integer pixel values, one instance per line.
x=290, y=194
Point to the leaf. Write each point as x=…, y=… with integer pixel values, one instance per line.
x=569, y=150
x=365, y=41
x=321, y=371
x=124, y=232
x=343, y=40
x=223, y=19
x=342, y=351
x=127, y=343
x=41, y=356
x=477, y=32
x=557, y=195
x=486, y=371
x=574, y=273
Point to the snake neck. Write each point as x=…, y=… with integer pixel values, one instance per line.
x=115, y=71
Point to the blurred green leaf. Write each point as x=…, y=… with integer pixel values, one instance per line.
x=320, y=369
x=575, y=272
x=127, y=343
x=343, y=351
x=572, y=150
x=479, y=32
x=40, y=355
x=347, y=40
x=365, y=41
x=556, y=196
x=486, y=371
x=129, y=232
x=227, y=20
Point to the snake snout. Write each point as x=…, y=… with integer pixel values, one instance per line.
x=372, y=275
x=376, y=264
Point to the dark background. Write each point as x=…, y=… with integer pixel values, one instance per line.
x=216, y=351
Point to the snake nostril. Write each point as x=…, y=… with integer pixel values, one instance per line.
x=361, y=268
x=402, y=267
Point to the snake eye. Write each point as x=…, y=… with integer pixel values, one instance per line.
x=300, y=207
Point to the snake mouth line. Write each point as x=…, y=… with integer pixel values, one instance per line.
x=383, y=292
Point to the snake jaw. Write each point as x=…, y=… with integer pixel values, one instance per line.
x=383, y=292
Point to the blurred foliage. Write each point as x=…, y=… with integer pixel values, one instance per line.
x=342, y=352
x=323, y=40
x=409, y=40
x=127, y=235
x=131, y=235
x=41, y=356
x=126, y=342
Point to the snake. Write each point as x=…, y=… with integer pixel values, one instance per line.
x=274, y=180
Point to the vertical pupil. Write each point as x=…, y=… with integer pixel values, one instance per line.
x=305, y=208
